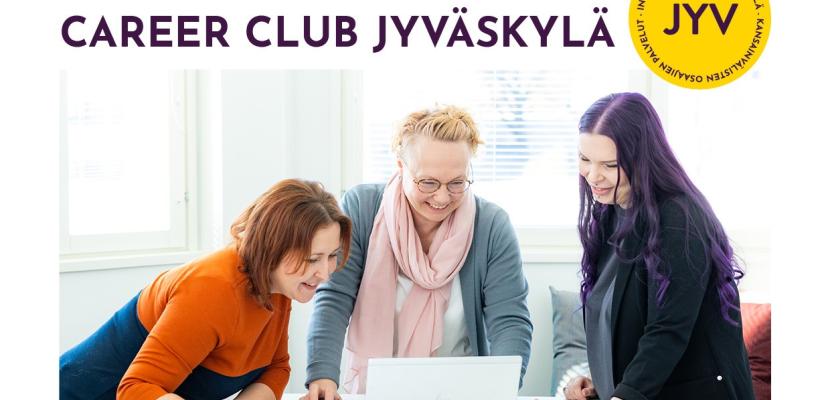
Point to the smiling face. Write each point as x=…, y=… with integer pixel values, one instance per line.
x=320, y=264
x=598, y=165
x=427, y=158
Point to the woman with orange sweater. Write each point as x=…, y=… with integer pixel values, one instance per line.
x=219, y=324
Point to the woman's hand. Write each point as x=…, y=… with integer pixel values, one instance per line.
x=580, y=388
x=322, y=389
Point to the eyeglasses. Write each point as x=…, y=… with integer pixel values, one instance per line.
x=455, y=186
x=428, y=185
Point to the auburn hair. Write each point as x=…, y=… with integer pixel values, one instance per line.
x=279, y=226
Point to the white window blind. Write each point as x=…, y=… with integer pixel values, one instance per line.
x=528, y=120
x=122, y=161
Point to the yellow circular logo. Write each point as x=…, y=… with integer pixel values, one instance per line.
x=699, y=44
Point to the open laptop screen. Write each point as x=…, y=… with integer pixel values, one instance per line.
x=443, y=378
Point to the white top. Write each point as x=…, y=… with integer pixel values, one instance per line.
x=455, y=341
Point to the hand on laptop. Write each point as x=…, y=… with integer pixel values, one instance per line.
x=322, y=389
x=580, y=388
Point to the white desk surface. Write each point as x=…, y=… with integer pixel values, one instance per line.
x=295, y=396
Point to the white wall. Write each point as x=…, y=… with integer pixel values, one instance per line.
x=539, y=277
x=277, y=125
x=89, y=298
x=270, y=125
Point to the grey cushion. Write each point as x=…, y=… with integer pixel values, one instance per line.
x=569, y=355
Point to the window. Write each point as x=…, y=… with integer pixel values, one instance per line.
x=123, y=143
x=724, y=142
x=528, y=120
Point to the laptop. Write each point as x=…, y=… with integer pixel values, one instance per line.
x=443, y=378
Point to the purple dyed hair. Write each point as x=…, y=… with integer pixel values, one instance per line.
x=655, y=175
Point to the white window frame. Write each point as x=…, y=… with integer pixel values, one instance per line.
x=104, y=251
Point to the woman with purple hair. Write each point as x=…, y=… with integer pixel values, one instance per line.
x=661, y=307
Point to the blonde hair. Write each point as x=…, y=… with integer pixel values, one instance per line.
x=444, y=123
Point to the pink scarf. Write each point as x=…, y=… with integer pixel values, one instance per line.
x=421, y=320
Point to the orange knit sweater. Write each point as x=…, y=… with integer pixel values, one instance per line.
x=203, y=314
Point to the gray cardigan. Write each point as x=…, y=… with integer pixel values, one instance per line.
x=493, y=288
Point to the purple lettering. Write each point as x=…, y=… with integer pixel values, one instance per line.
x=65, y=31
x=404, y=31
x=435, y=32
x=250, y=31
x=134, y=34
x=512, y=30
x=156, y=31
x=381, y=35
x=102, y=33
x=482, y=26
x=567, y=35
x=307, y=32
x=281, y=41
x=184, y=31
x=212, y=34
x=544, y=31
x=345, y=28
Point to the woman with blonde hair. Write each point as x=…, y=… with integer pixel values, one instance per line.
x=434, y=270
x=218, y=324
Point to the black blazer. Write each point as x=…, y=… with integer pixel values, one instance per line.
x=682, y=349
